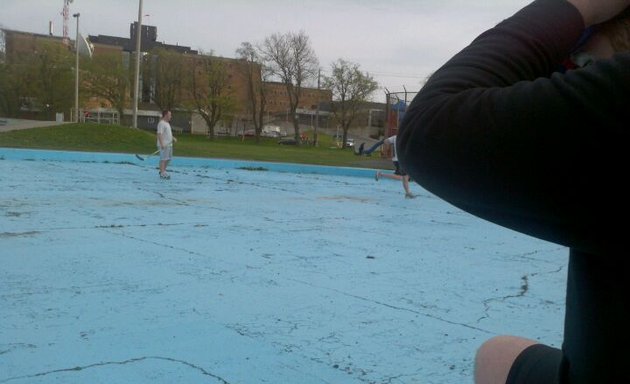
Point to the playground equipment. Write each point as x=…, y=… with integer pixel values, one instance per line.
x=395, y=107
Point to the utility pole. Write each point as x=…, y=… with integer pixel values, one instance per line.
x=315, y=142
x=76, y=70
x=136, y=82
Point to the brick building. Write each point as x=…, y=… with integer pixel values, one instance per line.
x=277, y=104
x=17, y=42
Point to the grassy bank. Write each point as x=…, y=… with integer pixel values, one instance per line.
x=111, y=138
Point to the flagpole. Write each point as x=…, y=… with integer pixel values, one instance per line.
x=136, y=82
x=76, y=70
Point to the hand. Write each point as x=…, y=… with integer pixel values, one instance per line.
x=174, y=139
x=598, y=11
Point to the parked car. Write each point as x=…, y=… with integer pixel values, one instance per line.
x=287, y=141
x=271, y=134
x=222, y=131
x=339, y=137
x=272, y=131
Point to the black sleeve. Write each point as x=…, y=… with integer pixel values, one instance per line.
x=497, y=133
x=596, y=332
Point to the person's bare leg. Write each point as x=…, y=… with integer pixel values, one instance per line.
x=405, y=183
x=496, y=356
x=390, y=176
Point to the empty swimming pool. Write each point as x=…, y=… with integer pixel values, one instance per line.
x=240, y=272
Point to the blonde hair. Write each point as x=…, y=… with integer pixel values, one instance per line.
x=618, y=31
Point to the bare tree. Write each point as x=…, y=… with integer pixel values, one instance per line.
x=255, y=73
x=291, y=59
x=351, y=91
x=210, y=91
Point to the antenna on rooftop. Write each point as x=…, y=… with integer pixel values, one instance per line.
x=66, y=15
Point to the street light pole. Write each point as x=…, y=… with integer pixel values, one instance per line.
x=315, y=136
x=76, y=70
x=136, y=82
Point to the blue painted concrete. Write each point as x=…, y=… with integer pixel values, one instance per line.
x=224, y=275
x=26, y=154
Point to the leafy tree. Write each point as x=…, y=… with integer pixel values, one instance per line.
x=108, y=78
x=351, y=90
x=9, y=90
x=165, y=76
x=255, y=73
x=54, y=81
x=38, y=80
x=291, y=59
x=210, y=92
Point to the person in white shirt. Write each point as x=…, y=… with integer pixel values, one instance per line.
x=399, y=173
x=165, y=140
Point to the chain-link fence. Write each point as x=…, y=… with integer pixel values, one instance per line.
x=396, y=106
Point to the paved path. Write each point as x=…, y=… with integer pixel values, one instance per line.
x=226, y=275
x=7, y=124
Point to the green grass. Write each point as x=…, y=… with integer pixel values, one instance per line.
x=112, y=138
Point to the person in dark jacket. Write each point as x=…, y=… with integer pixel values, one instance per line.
x=500, y=133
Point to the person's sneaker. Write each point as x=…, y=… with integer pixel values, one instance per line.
x=164, y=176
x=377, y=176
x=410, y=196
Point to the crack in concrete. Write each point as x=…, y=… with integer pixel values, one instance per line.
x=193, y=253
x=15, y=346
x=524, y=283
x=523, y=291
x=103, y=226
x=529, y=255
x=396, y=307
x=180, y=202
x=18, y=234
x=119, y=226
x=124, y=362
x=15, y=214
x=179, y=249
x=239, y=182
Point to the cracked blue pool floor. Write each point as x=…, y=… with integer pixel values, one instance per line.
x=227, y=275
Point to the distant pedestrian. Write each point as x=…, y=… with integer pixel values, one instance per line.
x=165, y=140
x=399, y=173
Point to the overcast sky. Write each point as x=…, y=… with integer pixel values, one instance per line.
x=398, y=42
